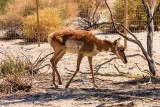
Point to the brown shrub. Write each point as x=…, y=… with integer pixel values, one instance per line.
x=14, y=83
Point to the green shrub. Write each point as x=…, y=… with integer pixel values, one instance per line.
x=133, y=8
x=49, y=20
x=136, y=13
x=12, y=65
x=3, y=4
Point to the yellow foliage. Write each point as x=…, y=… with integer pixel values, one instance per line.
x=15, y=12
x=67, y=8
x=49, y=20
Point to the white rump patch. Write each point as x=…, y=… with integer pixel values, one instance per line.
x=73, y=46
x=50, y=37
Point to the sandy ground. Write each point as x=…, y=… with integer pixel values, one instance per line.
x=117, y=82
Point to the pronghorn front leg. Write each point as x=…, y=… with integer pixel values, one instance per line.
x=91, y=68
x=79, y=59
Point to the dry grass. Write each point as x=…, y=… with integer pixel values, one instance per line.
x=14, y=83
x=13, y=73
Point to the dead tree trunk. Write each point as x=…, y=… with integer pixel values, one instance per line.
x=149, y=8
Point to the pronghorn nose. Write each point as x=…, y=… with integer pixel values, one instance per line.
x=125, y=60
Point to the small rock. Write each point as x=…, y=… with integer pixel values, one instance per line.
x=130, y=68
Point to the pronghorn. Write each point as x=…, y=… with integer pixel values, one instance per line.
x=83, y=43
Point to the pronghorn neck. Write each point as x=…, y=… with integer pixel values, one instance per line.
x=104, y=45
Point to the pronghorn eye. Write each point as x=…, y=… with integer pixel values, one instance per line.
x=121, y=50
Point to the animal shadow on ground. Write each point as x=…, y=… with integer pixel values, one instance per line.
x=88, y=94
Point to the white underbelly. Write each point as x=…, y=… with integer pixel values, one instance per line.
x=73, y=46
x=91, y=53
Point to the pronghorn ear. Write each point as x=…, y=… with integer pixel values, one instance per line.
x=116, y=41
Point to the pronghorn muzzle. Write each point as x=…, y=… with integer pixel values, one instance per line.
x=124, y=58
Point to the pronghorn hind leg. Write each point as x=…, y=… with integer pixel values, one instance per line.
x=91, y=68
x=79, y=59
x=56, y=62
x=53, y=62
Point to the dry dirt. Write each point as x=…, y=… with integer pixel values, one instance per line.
x=117, y=82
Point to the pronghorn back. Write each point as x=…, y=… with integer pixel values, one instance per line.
x=75, y=41
x=79, y=35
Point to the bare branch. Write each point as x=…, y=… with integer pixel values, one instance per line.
x=91, y=15
x=145, y=71
x=94, y=13
x=44, y=66
x=128, y=56
x=118, y=70
x=129, y=39
x=34, y=67
x=46, y=56
x=37, y=59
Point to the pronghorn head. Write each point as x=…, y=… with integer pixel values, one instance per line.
x=118, y=49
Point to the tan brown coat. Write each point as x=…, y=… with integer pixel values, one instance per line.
x=83, y=43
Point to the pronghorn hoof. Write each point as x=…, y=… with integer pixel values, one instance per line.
x=66, y=86
x=56, y=86
x=60, y=83
x=96, y=86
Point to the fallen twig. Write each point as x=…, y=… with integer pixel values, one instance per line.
x=118, y=70
x=119, y=104
x=145, y=71
x=128, y=56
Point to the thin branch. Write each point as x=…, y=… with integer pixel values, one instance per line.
x=145, y=71
x=46, y=56
x=157, y=10
x=99, y=66
x=129, y=39
x=118, y=70
x=94, y=13
x=44, y=66
x=113, y=74
x=26, y=57
x=35, y=62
